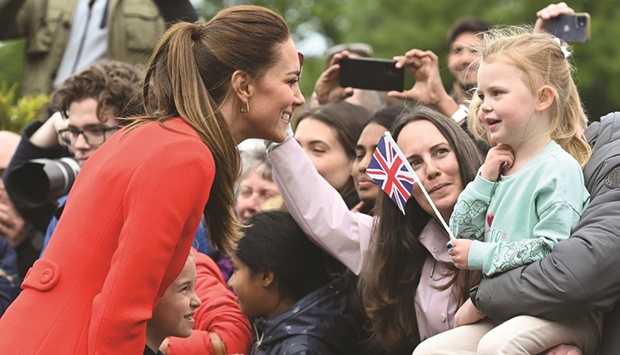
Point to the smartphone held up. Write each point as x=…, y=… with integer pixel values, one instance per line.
x=570, y=28
x=371, y=74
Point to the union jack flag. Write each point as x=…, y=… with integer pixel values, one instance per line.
x=391, y=171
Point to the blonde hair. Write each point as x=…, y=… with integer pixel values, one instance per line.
x=542, y=61
x=189, y=76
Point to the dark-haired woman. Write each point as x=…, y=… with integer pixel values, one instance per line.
x=410, y=288
x=328, y=135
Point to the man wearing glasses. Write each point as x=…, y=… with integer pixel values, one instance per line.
x=87, y=104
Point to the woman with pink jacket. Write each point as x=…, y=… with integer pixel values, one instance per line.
x=410, y=288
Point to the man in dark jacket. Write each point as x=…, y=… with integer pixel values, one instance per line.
x=581, y=274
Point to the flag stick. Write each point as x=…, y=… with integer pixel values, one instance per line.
x=417, y=179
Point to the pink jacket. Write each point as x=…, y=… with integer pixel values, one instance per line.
x=322, y=214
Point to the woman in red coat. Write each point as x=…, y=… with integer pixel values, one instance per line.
x=131, y=216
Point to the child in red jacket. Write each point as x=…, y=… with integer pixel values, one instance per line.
x=174, y=314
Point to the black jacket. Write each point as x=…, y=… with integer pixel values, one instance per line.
x=316, y=324
x=581, y=274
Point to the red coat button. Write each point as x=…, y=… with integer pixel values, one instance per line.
x=42, y=276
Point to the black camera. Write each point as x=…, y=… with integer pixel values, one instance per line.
x=43, y=180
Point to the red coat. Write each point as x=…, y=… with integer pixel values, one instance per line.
x=123, y=238
x=219, y=313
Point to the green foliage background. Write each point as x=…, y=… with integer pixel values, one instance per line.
x=395, y=26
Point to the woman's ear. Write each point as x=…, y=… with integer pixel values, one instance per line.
x=546, y=97
x=240, y=82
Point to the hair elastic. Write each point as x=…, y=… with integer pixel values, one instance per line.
x=563, y=47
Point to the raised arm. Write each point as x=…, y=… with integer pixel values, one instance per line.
x=428, y=88
x=318, y=208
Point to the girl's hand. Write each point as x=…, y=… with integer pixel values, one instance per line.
x=460, y=252
x=499, y=159
x=467, y=314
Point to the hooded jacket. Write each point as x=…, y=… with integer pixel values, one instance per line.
x=316, y=324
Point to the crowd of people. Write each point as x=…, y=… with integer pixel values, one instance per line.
x=173, y=241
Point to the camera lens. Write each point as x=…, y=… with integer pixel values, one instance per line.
x=43, y=180
x=582, y=21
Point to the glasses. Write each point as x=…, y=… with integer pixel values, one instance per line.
x=361, y=49
x=94, y=136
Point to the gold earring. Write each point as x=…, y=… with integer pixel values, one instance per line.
x=245, y=107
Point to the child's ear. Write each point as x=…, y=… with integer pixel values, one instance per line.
x=546, y=97
x=268, y=278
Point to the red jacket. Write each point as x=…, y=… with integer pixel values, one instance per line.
x=219, y=313
x=123, y=238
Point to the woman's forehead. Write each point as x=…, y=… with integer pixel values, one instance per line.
x=418, y=137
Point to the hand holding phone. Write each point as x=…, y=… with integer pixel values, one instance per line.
x=371, y=74
x=570, y=28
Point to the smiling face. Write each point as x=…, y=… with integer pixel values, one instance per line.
x=508, y=107
x=273, y=97
x=83, y=114
x=462, y=59
x=321, y=144
x=254, y=191
x=366, y=188
x=435, y=163
x=174, y=313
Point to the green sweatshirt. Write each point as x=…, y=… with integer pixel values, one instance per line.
x=521, y=217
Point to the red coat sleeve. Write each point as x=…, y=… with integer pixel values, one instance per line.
x=219, y=312
x=161, y=209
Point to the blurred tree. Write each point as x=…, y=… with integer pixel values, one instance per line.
x=15, y=112
x=11, y=54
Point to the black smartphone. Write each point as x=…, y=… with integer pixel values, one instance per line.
x=371, y=74
x=570, y=28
